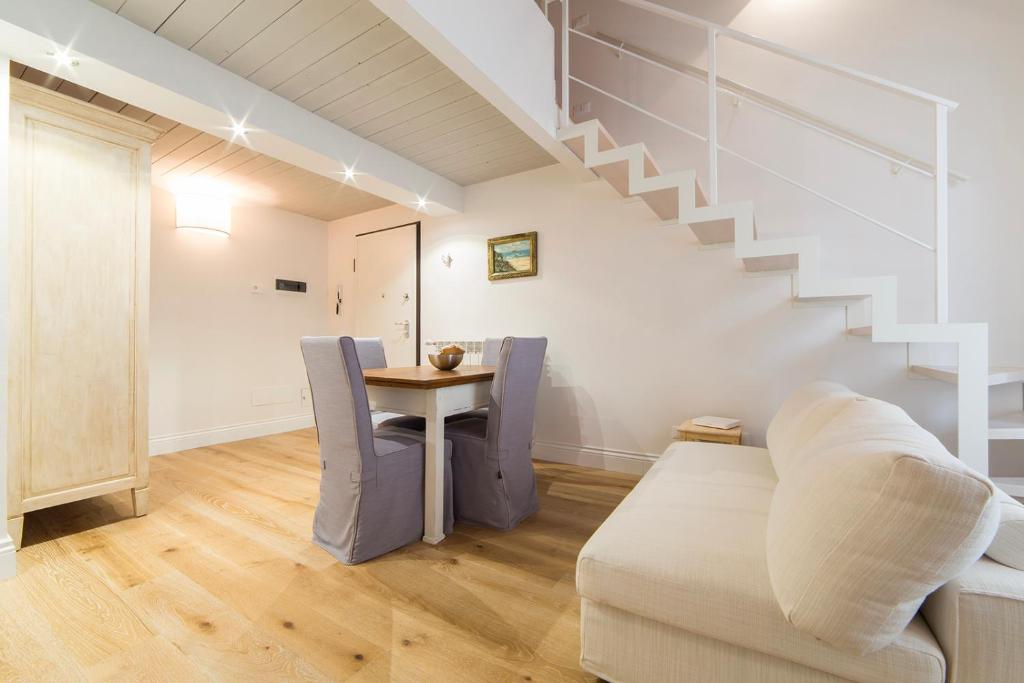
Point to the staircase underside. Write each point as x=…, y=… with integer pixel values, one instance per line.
x=677, y=197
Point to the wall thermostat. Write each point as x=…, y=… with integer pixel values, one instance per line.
x=290, y=285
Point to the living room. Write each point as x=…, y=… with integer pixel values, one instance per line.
x=615, y=217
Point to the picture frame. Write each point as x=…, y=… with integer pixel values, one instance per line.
x=512, y=256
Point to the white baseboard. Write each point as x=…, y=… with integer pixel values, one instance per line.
x=8, y=563
x=611, y=459
x=171, y=443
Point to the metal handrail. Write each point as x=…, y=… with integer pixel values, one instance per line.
x=771, y=105
x=806, y=58
x=755, y=164
x=941, y=106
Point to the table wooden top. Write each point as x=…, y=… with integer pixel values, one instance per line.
x=427, y=376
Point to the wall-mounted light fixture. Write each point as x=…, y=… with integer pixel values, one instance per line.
x=446, y=260
x=203, y=212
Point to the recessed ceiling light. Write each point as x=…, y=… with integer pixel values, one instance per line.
x=238, y=129
x=421, y=202
x=63, y=58
x=350, y=173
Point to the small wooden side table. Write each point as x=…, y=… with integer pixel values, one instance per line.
x=691, y=432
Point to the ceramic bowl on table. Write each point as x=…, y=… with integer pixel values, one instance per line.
x=445, y=361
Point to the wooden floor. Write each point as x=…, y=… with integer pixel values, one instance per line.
x=221, y=582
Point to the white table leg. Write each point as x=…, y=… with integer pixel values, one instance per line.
x=433, y=479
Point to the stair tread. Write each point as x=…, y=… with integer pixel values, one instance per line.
x=838, y=299
x=1013, y=486
x=998, y=374
x=774, y=262
x=865, y=331
x=1006, y=426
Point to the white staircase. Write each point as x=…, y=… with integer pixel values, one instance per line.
x=678, y=197
x=871, y=302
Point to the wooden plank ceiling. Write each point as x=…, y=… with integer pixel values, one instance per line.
x=183, y=152
x=347, y=62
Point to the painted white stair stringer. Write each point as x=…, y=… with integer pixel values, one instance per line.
x=598, y=151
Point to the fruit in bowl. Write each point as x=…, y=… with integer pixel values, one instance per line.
x=447, y=358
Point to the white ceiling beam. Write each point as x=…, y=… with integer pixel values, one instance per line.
x=124, y=61
x=504, y=49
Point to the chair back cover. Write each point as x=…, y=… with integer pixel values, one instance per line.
x=370, y=351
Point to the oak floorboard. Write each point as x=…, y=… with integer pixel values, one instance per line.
x=221, y=582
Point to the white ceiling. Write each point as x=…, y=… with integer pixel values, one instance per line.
x=348, y=63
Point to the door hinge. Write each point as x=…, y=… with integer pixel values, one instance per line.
x=353, y=265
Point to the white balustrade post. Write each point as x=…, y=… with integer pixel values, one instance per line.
x=565, y=63
x=941, y=213
x=712, y=116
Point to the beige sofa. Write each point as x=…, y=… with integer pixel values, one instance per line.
x=675, y=586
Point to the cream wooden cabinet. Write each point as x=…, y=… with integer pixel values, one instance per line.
x=79, y=209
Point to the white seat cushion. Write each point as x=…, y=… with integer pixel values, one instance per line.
x=876, y=516
x=687, y=548
x=1008, y=545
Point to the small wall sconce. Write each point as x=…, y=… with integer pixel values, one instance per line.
x=446, y=260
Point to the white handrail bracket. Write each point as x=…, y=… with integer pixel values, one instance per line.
x=712, y=116
x=941, y=213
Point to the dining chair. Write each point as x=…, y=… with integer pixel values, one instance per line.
x=371, y=481
x=370, y=351
x=492, y=465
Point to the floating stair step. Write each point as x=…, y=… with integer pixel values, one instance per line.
x=576, y=146
x=1013, y=486
x=1006, y=426
x=950, y=373
x=722, y=231
x=865, y=331
x=844, y=300
x=664, y=203
x=763, y=264
x=615, y=174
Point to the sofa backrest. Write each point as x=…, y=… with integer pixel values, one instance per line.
x=871, y=514
x=800, y=417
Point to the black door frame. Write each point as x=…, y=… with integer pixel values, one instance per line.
x=418, y=228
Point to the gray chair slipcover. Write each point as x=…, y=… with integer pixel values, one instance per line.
x=492, y=466
x=371, y=482
x=370, y=351
x=492, y=346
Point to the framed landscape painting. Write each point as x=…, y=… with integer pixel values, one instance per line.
x=512, y=256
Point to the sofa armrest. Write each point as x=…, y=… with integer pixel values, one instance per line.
x=978, y=619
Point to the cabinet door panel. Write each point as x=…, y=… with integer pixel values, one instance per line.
x=80, y=232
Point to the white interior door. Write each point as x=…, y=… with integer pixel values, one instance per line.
x=386, y=291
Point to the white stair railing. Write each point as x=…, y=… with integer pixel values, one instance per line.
x=941, y=107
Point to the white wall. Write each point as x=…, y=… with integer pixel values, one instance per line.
x=213, y=342
x=969, y=52
x=645, y=329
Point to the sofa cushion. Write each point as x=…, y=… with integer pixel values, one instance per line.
x=876, y=517
x=1008, y=545
x=978, y=618
x=687, y=548
x=802, y=415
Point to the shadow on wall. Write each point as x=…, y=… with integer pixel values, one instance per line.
x=559, y=409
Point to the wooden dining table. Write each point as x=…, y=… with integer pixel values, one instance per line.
x=433, y=394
